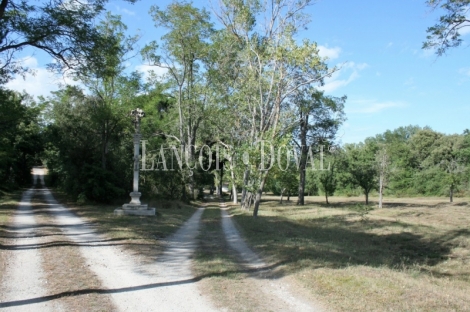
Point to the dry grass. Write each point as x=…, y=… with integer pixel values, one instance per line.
x=413, y=255
x=223, y=279
x=229, y=284
x=141, y=235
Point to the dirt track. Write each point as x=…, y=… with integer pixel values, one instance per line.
x=117, y=279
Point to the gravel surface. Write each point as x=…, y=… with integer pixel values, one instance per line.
x=167, y=284
x=23, y=280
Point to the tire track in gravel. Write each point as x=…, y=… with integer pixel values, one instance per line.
x=166, y=285
x=24, y=277
x=286, y=301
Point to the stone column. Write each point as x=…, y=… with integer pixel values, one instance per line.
x=135, y=207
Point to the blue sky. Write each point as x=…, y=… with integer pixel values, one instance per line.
x=388, y=79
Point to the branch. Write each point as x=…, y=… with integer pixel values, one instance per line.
x=3, y=6
x=161, y=134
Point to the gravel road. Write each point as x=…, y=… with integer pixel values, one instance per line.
x=167, y=284
x=23, y=279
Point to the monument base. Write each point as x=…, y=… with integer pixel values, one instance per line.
x=135, y=210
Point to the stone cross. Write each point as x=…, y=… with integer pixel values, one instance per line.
x=135, y=207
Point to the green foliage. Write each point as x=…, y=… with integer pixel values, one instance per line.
x=363, y=211
x=447, y=33
x=63, y=29
x=283, y=181
x=250, y=81
x=327, y=179
x=421, y=162
x=361, y=166
x=20, y=138
x=311, y=183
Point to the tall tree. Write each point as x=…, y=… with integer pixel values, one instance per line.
x=447, y=32
x=90, y=130
x=184, y=53
x=319, y=119
x=383, y=162
x=111, y=88
x=272, y=67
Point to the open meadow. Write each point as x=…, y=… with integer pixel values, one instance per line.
x=412, y=255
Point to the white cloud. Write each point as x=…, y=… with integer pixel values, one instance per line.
x=148, y=71
x=330, y=53
x=465, y=71
x=39, y=82
x=334, y=82
x=125, y=11
x=409, y=82
x=361, y=66
x=428, y=53
x=372, y=106
x=465, y=28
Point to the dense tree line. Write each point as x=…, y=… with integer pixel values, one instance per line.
x=408, y=161
x=239, y=104
x=20, y=138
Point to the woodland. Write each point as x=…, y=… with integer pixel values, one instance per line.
x=236, y=79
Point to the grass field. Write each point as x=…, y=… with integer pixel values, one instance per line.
x=412, y=255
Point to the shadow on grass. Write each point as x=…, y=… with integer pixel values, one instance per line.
x=336, y=243
x=351, y=202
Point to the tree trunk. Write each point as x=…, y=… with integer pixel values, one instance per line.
x=248, y=201
x=282, y=194
x=103, y=147
x=244, y=191
x=220, y=181
x=234, y=187
x=303, y=161
x=300, y=200
x=381, y=189
x=451, y=193
x=326, y=198
x=258, y=196
x=367, y=197
x=191, y=187
x=234, y=194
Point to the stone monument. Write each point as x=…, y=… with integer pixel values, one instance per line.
x=135, y=207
